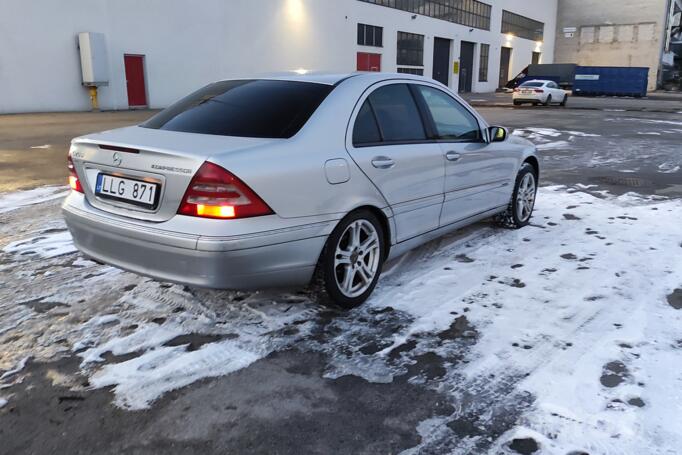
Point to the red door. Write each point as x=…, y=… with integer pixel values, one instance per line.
x=369, y=62
x=137, y=92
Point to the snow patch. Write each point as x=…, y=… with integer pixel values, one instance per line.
x=140, y=381
x=20, y=366
x=554, y=145
x=590, y=290
x=581, y=134
x=150, y=361
x=668, y=168
x=19, y=199
x=46, y=245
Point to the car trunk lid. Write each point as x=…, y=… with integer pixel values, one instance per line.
x=166, y=160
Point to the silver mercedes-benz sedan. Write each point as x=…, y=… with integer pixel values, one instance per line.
x=256, y=183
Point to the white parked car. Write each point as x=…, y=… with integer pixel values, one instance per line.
x=539, y=91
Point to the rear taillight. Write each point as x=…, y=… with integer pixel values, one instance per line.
x=74, y=183
x=539, y=90
x=216, y=193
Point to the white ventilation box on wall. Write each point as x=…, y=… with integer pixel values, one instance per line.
x=94, y=60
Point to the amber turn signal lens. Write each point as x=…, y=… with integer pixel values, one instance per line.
x=216, y=211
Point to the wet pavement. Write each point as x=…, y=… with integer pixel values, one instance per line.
x=543, y=340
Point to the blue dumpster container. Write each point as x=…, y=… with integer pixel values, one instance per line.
x=610, y=81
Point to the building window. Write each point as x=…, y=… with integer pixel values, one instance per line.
x=415, y=71
x=522, y=26
x=471, y=13
x=483, y=64
x=410, y=49
x=370, y=35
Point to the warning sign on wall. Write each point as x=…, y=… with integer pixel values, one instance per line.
x=455, y=67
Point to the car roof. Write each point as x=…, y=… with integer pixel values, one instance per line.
x=544, y=81
x=333, y=78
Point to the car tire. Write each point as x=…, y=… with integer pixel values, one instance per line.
x=564, y=101
x=517, y=103
x=352, y=259
x=520, y=208
x=548, y=101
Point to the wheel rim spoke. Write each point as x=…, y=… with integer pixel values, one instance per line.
x=348, y=279
x=371, y=243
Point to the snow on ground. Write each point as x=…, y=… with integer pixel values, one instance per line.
x=556, y=306
x=565, y=331
x=13, y=201
x=47, y=244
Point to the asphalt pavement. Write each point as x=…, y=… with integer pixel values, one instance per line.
x=95, y=360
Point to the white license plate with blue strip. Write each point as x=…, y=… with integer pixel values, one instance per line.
x=137, y=192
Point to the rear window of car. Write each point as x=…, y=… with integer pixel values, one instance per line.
x=245, y=108
x=532, y=84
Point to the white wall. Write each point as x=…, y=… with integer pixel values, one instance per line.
x=395, y=20
x=188, y=43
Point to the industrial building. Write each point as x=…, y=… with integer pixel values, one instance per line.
x=150, y=53
x=629, y=33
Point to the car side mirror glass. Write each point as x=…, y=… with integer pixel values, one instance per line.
x=497, y=134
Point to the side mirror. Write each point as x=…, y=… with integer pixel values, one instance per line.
x=497, y=134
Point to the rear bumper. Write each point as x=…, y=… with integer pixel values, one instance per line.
x=528, y=98
x=278, y=258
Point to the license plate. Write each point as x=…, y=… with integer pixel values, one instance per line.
x=526, y=92
x=132, y=191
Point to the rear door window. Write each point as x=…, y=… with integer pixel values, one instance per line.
x=397, y=114
x=366, y=130
x=246, y=108
x=452, y=121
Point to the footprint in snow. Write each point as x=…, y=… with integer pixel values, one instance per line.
x=613, y=374
x=675, y=299
x=463, y=258
x=524, y=446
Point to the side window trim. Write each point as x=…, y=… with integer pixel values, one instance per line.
x=376, y=119
x=424, y=113
x=432, y=125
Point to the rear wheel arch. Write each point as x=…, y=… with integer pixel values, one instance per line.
x=385, y=225
x=326, y=270
x=383, y=219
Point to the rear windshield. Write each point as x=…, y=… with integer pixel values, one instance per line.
x=532, y=84
x=246, y=108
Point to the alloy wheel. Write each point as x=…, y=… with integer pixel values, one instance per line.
x=525, y=197
x=357, y=258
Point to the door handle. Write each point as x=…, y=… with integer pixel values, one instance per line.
x=452, y=156
x=382, y=162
